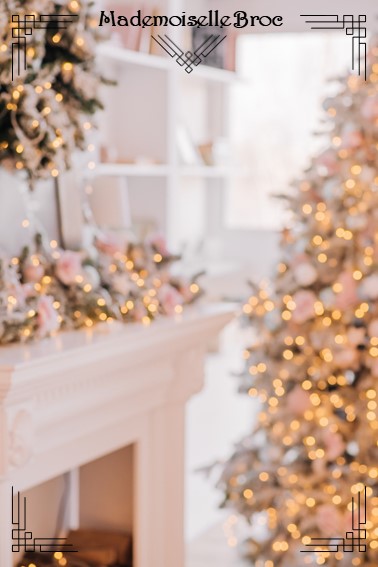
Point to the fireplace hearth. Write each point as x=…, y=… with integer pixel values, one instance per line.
x=68, y=402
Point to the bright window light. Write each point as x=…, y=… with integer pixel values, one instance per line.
x=276, y=108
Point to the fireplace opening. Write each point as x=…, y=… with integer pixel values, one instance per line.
x=93, y=508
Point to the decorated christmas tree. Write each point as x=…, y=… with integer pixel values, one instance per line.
x=314, y=364
x=48, y=83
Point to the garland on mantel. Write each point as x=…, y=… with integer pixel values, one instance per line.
x=50, y=289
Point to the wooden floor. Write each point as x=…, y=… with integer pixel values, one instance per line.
x=211, y=550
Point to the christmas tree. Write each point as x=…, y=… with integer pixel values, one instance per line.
x=48, y=99
x=314, y=364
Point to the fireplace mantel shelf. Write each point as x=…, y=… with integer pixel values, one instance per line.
x=76, y=397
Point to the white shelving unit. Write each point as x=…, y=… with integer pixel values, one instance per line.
x=155, y=97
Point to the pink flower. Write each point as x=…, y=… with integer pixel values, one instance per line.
x=33, y=271
x=369, y=108
x=159, y=243
x=334, y=445
x=347, y=297
x=169, y=298
x=68, y=267
x=304, y=306
x=328, y=160
x=298, y=401
x=330, y=520
x=47, y=316
x=110, y=243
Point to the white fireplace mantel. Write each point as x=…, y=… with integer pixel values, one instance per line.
x=69, y=400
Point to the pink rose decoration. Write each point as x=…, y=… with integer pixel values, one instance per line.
x=330, y=520
x=110, y=243
x=68, y=267
x=348, y=295
x=298, y=401
x=329, y=161
x=33, y=272
x=169, y=298
x=334, y=445
x=304, y=306
x=47, y=316
x=369, y=108
x=159, y=243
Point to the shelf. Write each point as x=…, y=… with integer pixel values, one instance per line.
x=207, y=171
x=129, y=170
x=127, y=56
x=212, y=74
x=137, y=58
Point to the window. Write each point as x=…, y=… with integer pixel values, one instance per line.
x=276, y=108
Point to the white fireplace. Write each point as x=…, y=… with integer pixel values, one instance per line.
x=107, y=409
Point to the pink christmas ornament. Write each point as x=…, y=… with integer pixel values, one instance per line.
x=305, y=274
x=356, y=335
x=374, y=367
x=347, y=357
x=351, y=139
x=328, y=160
x=347, y=297
x=330, y=520
x=298, y=401
x=369, y=108
x=334, y=445
x=68, y=267
x=373, y=328
x=369, y=287
x=304, y=306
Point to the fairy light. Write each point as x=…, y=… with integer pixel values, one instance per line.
x=74, y=6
